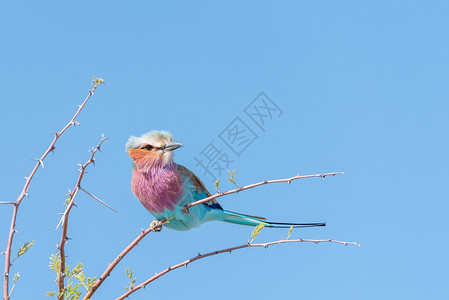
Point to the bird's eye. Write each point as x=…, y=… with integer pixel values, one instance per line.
x=148, y=147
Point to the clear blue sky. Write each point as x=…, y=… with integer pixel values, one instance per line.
x=362, y=86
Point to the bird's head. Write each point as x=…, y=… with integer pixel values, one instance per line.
x=152, y=149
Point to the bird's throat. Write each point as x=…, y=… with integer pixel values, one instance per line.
x=158, y=188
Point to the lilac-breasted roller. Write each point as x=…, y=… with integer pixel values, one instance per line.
x=164, y=187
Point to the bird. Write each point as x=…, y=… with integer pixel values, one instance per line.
x=164, y=188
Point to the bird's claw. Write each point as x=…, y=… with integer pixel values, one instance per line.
x=156, y=226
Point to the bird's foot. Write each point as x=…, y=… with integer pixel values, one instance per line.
x=156, y=226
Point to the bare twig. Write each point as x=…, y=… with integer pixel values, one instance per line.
x=65, y=219
x=122, y=254
x=247, y=245
x=288, y=180
x=24, y=191
x=105, y=204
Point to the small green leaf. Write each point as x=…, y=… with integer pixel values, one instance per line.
x=71, y=291
x=97, y=81
x=16, y=277
x=90, y=283
x=55, y=262
x=78, y=269
x=50, y=294
x=25, y=248
x=289, y=232
x=80, y=276
x=257, y=230
x=129, y=273
x=232, y=178
x=216, y=185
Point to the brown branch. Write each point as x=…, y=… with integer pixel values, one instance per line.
x=111, y=266
x=288, y=180
x=24, y=192
x=65, y=223
x=146, y=231
x=247, y=245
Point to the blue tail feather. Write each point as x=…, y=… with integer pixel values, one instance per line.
x=242, y=219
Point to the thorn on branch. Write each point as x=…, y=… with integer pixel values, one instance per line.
x=41, y=162
x=97, y=199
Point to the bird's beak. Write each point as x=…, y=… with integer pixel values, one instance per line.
x=172, y=146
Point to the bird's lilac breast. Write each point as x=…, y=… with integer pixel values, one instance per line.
x=158, y=189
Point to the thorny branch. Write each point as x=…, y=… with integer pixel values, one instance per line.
x=288, y=180
x=247, y=245
x=23, y=193
x=65, y=218
x=111, y=266
x=108, y=271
